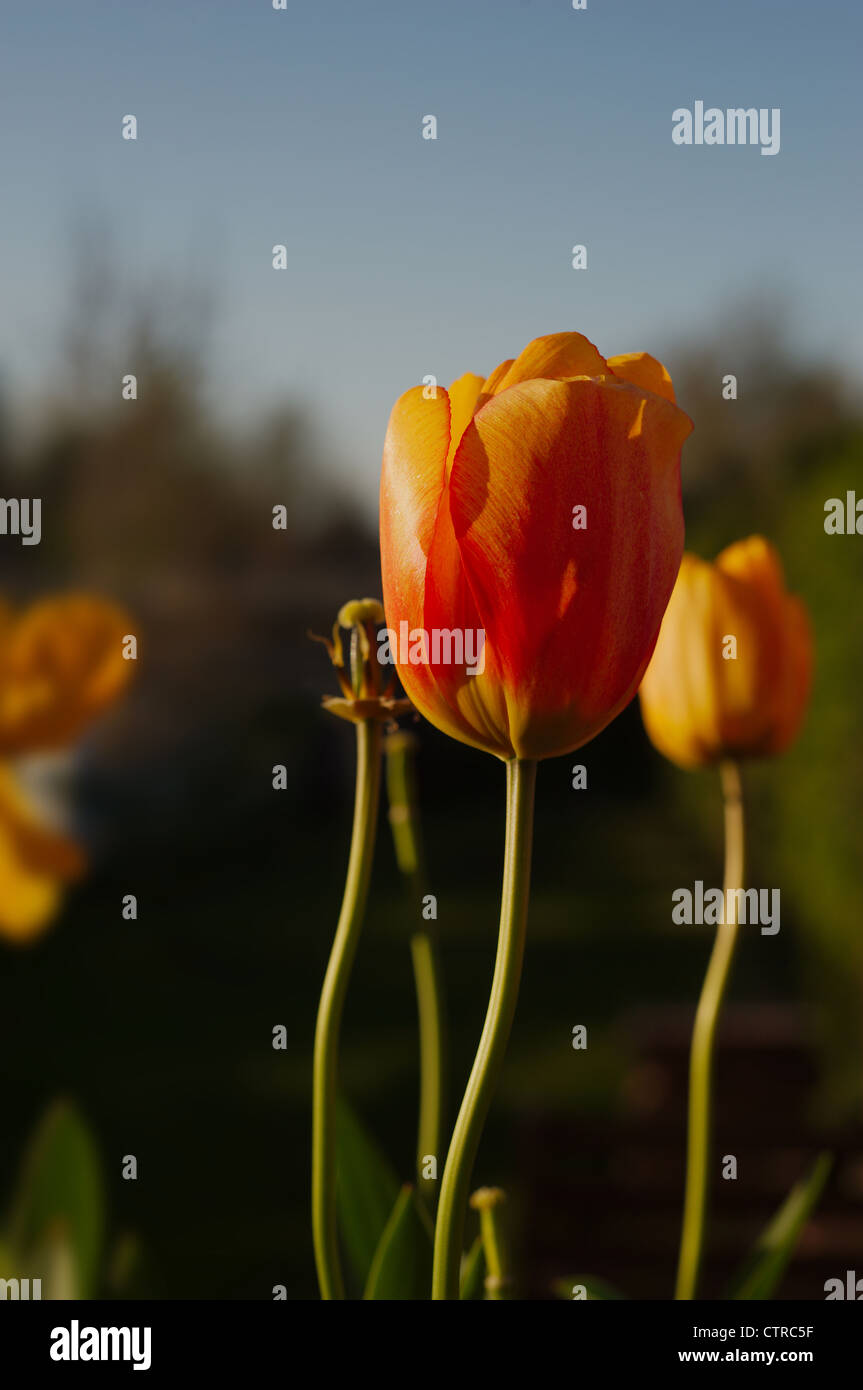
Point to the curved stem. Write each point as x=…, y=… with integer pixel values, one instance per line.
x=449, y=1229
x=369, y=744
x=703, y=1036
x=428, y=981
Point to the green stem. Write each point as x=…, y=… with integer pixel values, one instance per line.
x=427, y=979
x=703, y=1036
x=407, y=838
x=369, y=745
x=449, y=1229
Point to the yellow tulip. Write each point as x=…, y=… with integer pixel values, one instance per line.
x=35, y=864
x=61, y=665
x=731, y=673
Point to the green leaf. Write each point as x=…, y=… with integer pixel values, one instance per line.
x=596, y=1290
x=366, y=1191
x=472, y=1266
x=402, y=1266
x=761, y=1272
x=58, y=1211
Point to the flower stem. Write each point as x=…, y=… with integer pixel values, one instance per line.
x=703, y=1036
x=449, y=1229
x=407, y=838
x=427, y=980
x=369, y=745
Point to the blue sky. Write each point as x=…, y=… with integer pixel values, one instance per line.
x=406, y=256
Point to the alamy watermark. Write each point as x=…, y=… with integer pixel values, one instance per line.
x=736, y=125
x=844, y=515
x=77, y=1343
x=848, y=1288
x=438, y=646
x=21, y=516
x=24, y=1290
x=715, y=907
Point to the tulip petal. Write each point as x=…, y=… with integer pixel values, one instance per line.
x=784, y=658
x=35, y=864
x=414, y=472
x=463, y=397
x=412, y=491
x=412, y=483
x=644, y=371
x=555, y=357
x=570, y=615
x=795, y=688
x=756, y=562
x=743, y=682
x=679, y=680
x=475, y=705
x=492, y=382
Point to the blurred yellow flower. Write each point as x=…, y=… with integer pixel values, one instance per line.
x=732, y=670
x=61, y=665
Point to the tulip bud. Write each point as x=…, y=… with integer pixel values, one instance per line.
x=732, y=670
x=368, y=690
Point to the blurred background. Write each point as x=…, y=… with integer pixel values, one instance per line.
x=259, y=387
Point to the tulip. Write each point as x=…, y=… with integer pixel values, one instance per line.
x=729, y=680
x=706, y=697
x=61, y=665
x=480, y=532
x=539, y=508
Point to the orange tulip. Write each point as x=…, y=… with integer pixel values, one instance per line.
x=61, y=665
x=542, y=508
x=706, y=697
